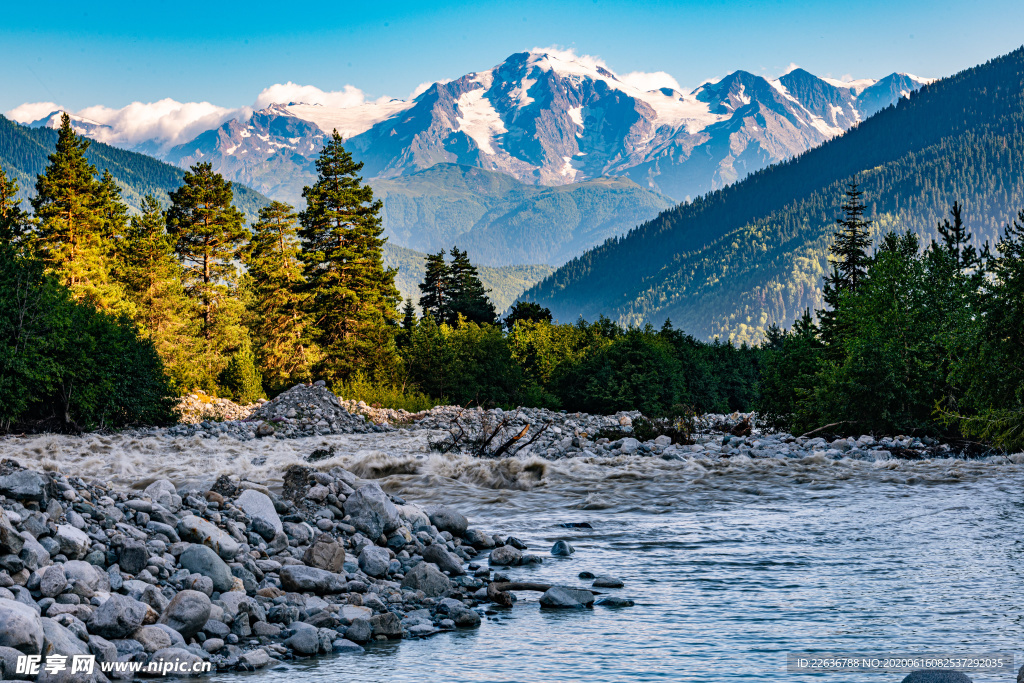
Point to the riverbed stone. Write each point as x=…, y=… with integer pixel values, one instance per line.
x=118, y=617
x=20, y=627
x=562, y=549
x=302, y=579
x=53, y=581
x=562, y=597
x=259, y=506
x=326, y=552
x=607, y=582
x=201, y=559
x=198, y=530
x=74, y=543
x=629, y=445
x=372, y=511
x=374, y=560
x=161, y=492
x=448, y=519
x=305, y=640
x=133, y=556
x=614, y=601
x=387, y=624
x=426, y=577
x=187, y=612
x=183, y=659
x=506, y=556
x=11, y=542
x=23, y=485
x=152, y=638
x=359, y=631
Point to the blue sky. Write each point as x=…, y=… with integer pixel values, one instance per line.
x=112, y=53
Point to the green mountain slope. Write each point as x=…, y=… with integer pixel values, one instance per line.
x=23, y=153
x=739, y=259
x=502, y=221
x=504, y=284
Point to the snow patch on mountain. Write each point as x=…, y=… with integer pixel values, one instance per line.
x=479, y=120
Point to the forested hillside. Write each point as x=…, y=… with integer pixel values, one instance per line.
x=740, y=259
x=23, y=153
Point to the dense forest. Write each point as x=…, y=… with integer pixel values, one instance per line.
x=736, y=261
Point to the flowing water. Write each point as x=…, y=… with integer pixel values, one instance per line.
x=732, y=564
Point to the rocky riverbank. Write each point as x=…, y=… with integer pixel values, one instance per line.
x=236, y=575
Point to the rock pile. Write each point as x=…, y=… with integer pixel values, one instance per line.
x=236, y=575
x=200, y=407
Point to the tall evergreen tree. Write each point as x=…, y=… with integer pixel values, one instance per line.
x=408, y=315
x=850, y=251
x=435, y=297
x=351, y=296
x=278, y=323
x=208, y=233
x=152, y=279
x=71, y=212
x=13, y=219
x=468, y=296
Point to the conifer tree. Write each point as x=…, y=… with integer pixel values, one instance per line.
x=351, y=297
x=852, y=238
x=468, y=296
x=408, y=315
x=208, y=232
x=13, y=219
x=278, y=324
x=435, y=298
x=240, y=380
x=152, y=280
x=71, y=212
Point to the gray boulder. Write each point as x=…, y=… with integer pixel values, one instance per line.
x=74, y=543
x=448, y=519
x=562, y=549
x=936, y=676
x=201, y=559
x=198, y=530
x=305, y=641
x=301, y=579
x=118, y=617
x=372, y=511
x=254, y=659
x=153, y=638
x=359, y=631
x=561, y=597
x=374, y=560
x=133, y=556
x=428, y=578
x=607, y=582
x=187, y=612
x=444, y=560
x=325, y=553
x=629, y=445
x=23, y=485
x=20, y=627
x=259, y=506
x=53, y=581
x=60, y=640
x=506, y=556
x=387, y=624
x=9, y=665
x=161, y=492
x=10, y=540
x=87, y=577
x=33, y=553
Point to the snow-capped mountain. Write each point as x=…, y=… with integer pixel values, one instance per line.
x=551, y=118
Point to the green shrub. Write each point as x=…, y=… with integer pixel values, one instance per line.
x=241, y=381
x=359, y=388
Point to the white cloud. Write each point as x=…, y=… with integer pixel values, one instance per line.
x=31, y=111
x=792, y=66
x=643, y=80
x=283, y=93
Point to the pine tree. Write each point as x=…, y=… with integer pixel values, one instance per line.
x=278, y=323
x=208, y=232
x=71, y=211
x=13, y=219
x=468, y=296
x=435, y=299
x=152, y=280
x=531, y=311
x=852, y=239
x=351, y=297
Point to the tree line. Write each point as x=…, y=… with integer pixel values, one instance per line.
x=913, y=339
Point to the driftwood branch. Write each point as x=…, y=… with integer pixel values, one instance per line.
x=505, y=446
x=821, y=429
